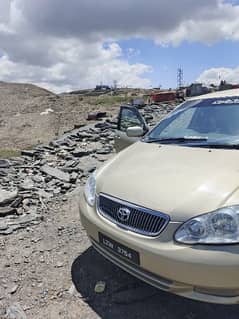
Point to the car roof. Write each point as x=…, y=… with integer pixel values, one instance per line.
x=218, y=94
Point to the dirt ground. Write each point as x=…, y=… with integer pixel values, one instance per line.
x=51, y=271
x=30, y=115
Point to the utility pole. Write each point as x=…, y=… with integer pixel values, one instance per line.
x=180, y=78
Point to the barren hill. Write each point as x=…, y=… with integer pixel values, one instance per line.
x=30, y=115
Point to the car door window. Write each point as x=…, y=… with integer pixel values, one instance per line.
x=129, y=118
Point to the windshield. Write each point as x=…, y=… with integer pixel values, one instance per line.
x=208, y=121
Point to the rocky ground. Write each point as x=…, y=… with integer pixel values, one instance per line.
x=47, y=267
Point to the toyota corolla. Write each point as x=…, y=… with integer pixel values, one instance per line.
x=166, y=207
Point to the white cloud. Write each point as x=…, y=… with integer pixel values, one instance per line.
x=61, y=63
x=77, y=65
x=61, y=44
x=215, y=75
x=132, y=52
x=4, y=10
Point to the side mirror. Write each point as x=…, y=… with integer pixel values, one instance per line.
x=135, y=131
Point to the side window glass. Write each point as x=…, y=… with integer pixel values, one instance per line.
x=129, y=118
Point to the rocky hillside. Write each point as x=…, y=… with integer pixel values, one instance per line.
x=30, y=115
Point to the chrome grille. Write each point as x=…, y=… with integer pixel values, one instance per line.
x=140, y=220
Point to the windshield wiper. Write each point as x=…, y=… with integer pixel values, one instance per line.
x=220, y=146
x=180, y=139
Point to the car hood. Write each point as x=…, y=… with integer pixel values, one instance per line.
x=177, y=180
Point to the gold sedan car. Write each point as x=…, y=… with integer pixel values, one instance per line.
x=166, y=208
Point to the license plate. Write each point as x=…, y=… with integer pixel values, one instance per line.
x=119, y=249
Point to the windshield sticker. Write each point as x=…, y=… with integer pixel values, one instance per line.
x=226, y=101
x=202, y=103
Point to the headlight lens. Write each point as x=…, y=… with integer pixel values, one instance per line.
x=90, y=190
x=218, y=227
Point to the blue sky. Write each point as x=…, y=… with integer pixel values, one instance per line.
x=194, y=58
x=77, y=44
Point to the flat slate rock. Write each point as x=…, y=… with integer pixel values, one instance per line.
x=55, y=172
x=79, y=151
x=4, y=163
x=27, y=184
x=30, y=153
x=104, y=151
x=6, y=196
x=4, y=211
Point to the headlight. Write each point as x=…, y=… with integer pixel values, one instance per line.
x=90, y=190
x=218, y=227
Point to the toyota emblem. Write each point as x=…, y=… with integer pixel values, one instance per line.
x=123, y=214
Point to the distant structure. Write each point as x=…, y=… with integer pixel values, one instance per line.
x=102, y=87
x=180, y=78
x=196, y=89
x=227, y=86
x=115, y=84
x=163, y=96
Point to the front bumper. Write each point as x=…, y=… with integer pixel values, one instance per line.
x=206, y=273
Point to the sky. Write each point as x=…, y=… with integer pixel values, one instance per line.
x=76, y=44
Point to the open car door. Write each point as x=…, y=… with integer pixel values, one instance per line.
x=129, y=116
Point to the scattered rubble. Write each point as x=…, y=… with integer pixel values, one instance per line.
x=30, y=182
